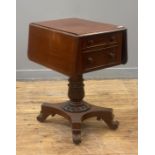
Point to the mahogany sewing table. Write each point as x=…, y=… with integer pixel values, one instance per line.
x=75, y=46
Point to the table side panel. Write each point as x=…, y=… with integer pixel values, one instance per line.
x=52, y=49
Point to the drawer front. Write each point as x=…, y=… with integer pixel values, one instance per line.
x=100, y=40
x=100, y=59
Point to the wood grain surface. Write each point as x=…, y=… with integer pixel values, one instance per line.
x=77, y=26
x=54, y=136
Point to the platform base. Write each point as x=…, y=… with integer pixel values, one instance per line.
x=76, y=118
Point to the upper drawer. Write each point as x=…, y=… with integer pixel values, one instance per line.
x=108, y=39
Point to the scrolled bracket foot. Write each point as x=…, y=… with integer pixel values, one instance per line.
x=113, y=125
x=77, y=138
x=76, y=132
x=109, y=120
x=42, y=116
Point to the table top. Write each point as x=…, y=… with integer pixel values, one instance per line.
x=79, y=27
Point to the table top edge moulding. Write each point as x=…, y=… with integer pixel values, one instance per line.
x=74, y=46
x=89, y=27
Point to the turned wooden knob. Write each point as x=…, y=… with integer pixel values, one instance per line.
x=112, y=54
x=112, y=38
x=90, y=42
x=90, y=60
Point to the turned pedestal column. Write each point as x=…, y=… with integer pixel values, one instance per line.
x=76, y=109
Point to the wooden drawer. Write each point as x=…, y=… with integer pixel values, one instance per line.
x=101, y=59
x=101, y=40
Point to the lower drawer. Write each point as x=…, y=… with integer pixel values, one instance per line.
x=100, y=59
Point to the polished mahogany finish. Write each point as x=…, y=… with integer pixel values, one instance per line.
x=75, y=46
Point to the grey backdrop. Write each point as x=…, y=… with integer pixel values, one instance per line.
x=121, y=12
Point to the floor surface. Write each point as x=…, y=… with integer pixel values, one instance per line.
x=54, y=137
